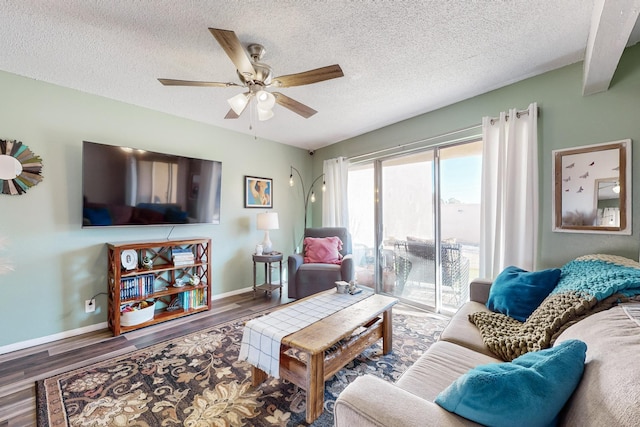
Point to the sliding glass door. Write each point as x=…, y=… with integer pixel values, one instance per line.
x=408, y=227
x=362, y=222
x=459, y=212
x=414, y=220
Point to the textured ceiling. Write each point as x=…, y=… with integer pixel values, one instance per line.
x=400, y=58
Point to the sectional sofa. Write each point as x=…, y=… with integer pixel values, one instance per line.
x=607, y=391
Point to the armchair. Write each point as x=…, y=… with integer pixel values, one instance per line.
x=310, y=278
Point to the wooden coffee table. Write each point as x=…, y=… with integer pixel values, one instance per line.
x=351, y=330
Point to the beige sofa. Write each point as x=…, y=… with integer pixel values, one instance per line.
x=608, y=393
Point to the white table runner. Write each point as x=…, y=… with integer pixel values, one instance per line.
x=262, y=336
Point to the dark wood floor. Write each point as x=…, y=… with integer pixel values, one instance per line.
x=20, y=370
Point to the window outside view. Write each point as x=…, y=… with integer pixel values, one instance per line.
x=407, y=255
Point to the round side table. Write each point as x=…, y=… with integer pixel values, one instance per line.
x=267, y=259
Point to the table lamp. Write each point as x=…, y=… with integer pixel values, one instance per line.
x=267, y=221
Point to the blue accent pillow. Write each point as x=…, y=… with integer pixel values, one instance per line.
x=97, y=216
x=517, y=292
x=530, y=391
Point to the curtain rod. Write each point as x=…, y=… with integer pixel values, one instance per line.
x=409, y=144
x=492, y=120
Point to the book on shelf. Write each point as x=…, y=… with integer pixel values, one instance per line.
x=179, y=259
x=133, y=287
x=181, y=252
x=193, y=299
x=182, y=262
x=182, y=256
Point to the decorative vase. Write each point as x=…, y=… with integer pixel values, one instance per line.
x=258, y=249
x=147, y=263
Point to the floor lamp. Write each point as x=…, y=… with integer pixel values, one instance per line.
x=310, y=195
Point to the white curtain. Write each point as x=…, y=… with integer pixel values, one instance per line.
x=334, y=201
x=509, y=212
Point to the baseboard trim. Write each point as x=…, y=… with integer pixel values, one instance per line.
x=232, y=293
x=91, y=328
x=50, y=338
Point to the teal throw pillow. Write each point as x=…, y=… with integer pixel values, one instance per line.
x=517, y=292
x=530, y=391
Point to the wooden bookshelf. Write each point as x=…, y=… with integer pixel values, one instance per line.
x=133, y=284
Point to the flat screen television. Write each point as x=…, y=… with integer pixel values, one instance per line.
x=124, y=186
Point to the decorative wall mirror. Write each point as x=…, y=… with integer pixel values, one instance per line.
x=592, y=188
x=20, y=168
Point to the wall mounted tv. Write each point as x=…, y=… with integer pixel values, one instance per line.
x=123, y=186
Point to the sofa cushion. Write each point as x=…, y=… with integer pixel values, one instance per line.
x=325, y=250
x=532, y=389
x=461, y=331
x=437, y=368
x=517, y=292
x=608, y=393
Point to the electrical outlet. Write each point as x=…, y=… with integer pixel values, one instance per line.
x=90, y=305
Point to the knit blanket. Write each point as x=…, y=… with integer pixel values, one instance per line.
x=587, y=285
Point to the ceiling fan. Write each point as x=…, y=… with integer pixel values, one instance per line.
x=257, y=77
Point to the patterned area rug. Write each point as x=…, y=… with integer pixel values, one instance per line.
x=196, y=380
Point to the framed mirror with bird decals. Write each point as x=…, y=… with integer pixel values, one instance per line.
x=592, y=188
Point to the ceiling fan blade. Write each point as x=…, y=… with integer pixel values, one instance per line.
x=308, y=77
x=294, y=105
x=172, y=82
x=231, y=115
x=234, y=50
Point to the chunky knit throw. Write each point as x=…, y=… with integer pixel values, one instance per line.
x=587, y=285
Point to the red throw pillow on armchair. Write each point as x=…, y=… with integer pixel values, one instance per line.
x=323, y=250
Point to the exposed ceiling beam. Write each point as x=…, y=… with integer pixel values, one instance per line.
x=611, y=25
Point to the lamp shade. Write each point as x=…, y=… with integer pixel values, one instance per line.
x=264, y=115
x=238, y=103
x=266, y=100
x=268, y=221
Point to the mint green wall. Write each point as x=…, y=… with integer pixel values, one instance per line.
x=58, y=265
x=567, y=119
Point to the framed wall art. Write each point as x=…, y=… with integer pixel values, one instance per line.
x=20, y=168
x=258, y=192
x=592, y=188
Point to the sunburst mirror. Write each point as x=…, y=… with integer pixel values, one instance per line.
x=20, y=168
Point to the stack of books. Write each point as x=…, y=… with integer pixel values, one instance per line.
x=134, y=287
x=193, y=299
x=182, y=256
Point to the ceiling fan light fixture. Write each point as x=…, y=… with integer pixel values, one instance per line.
x=266, y=100
x=263, y=114
x=238, y=103
x=255, y=76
